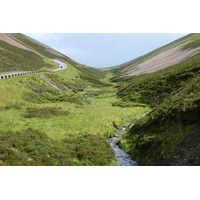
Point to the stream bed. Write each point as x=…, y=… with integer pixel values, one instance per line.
x=122, y=157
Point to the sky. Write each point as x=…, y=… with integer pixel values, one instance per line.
x=105, y=49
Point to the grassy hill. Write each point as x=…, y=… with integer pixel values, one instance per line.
x=186, y=43
x=16, y=59
x=169, y=134
x=33, y=55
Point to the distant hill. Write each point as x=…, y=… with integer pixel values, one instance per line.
x=158, y=59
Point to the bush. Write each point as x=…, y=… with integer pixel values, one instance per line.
x=34, y=148
x=44, y=112
x=124, y=104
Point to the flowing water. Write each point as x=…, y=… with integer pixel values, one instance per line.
x=123, y=158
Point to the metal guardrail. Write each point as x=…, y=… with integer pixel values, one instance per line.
x=14, y=74
x=11, y=75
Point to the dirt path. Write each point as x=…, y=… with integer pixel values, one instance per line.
x=51, y=84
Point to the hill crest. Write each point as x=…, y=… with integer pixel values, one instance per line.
x=158, y=59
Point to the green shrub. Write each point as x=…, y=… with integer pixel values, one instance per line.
x=15, y=105
x=34, y=148
x=125, y=104
x=44, y=112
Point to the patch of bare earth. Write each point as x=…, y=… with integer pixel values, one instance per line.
x=163, y=60
x=6, y=37
x=9, y=38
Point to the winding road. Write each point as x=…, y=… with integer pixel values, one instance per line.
x=61, y=66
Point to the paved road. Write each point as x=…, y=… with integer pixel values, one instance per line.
x=61, y=66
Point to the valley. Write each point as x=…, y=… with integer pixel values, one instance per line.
x=34, y=106
x=68, y=117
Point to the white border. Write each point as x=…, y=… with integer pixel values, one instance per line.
x=99, y=183
x=100, y=16
x=105, y=16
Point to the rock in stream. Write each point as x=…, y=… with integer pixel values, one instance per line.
x=123, y=158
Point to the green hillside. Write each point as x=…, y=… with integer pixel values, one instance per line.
x=86, y=72
x=13, y=58
x=43, y=50
x=16, y=59
x=169, y=134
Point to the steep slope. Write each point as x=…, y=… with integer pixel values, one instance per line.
x=13, y=58
x=160, y=58
x=169, y=134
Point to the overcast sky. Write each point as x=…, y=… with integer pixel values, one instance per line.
x=105, y=49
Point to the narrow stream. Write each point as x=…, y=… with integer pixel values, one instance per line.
x=123, y=158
